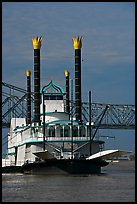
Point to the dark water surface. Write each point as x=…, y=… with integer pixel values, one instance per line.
x=116, y=183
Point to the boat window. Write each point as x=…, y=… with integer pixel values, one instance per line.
x=82, y=131
x=61, y=132
x=53, y=97
x=66, y=132
x=51, y=132
x=46, y=97
x=59, y=97
x=75, y=131
x=101, y=147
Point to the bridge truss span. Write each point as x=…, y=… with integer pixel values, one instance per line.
x=116, y=116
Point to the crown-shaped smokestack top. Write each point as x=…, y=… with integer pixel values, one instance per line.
x=28, y=73
x=77, y=42
x=66, y=73
x=37, y=42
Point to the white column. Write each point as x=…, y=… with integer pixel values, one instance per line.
x=55, y=131
x=86, y=131
x=70, y=134
x=78, y=131
x=63, y=131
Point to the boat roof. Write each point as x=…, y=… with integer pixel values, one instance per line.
x=52, y=88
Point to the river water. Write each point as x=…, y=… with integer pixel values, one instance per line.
x=116, y=183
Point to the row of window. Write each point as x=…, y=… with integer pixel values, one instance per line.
x=66, y=132
x=53, y=97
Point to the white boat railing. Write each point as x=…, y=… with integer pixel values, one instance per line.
x=67, y=138
x=7, y=162
x=54, y=139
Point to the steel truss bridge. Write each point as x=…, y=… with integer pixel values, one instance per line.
x=104, y=116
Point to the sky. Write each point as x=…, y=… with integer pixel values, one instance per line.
x=108, y=47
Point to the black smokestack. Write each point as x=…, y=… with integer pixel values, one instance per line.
x=28, y=73
x=67, y=91
x=37, y=45
x=77, y=47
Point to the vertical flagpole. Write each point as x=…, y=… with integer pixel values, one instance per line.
x=90, y=119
